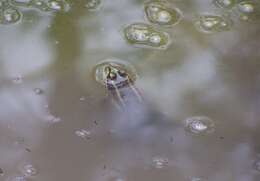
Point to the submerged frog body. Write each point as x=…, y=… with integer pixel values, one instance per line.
x=134, y=115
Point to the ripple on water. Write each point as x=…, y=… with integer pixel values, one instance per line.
x=199, y=125
x=162, y=13
x=208, y=23
x=9, y=15
x=113, y=72
x=248, y=10
x=227, y=4
x=144, y=35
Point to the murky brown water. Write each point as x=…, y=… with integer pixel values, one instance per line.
x=57, y=123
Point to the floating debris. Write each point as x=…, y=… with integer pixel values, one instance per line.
x=248, y=10
x=141, y=34
x=29, y=170
x=213, y=23
x=160, y=162
x=257, y=165
x=18, y=79
x=1, y=172
x=83, y=133
x=162, y=13
x=227, y=4
x=199, y=125
x=9, y=15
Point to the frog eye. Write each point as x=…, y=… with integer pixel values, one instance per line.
x=110, y=74
x=122, y=73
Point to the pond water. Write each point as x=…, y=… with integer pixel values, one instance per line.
x=129, y=90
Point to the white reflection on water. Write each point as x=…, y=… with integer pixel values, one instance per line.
x=26, y=53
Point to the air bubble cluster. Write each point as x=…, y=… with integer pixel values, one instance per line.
x=227, y=4
x=162, y=13
x=43, y=5
x=8, y=14
x=141, y=34
x=208, y=23
x=10, y=9
x=93, y=4
x=114, y=73
x=248, y=10
x=199, y=125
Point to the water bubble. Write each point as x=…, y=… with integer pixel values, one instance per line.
x=228, y=4
x=114, y=73
x=199, y=125
x=83, y=133
x=58, y=5
x=9, y=15
x=93, y=4
x=213, y=23
x=20, y=2
x=38, y=91
x=142, y=34
x=162, y=13
x=248, y=10
x=160, y=162
x=39, y=4
x=29, y=170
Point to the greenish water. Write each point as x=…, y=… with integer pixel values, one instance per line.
x=190, y=113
